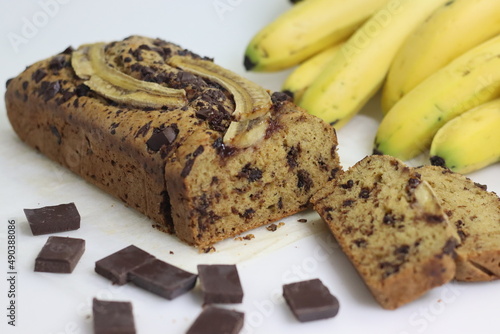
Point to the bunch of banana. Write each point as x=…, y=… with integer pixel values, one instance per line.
x=304, y=30
x=466, y=82
x=470, y=141
x=453, y=29
x=305, y=73
x=432, y=59
x=425, y=91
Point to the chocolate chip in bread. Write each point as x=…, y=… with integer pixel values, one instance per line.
x=475, y=214
x=390, y=225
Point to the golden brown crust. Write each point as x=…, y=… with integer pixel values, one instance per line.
x=216, y=191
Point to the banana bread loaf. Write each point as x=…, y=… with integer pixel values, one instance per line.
x=200, y=150
x=389, y=223
x=475, y=213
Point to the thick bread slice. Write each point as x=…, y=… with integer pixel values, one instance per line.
x=390, y=225
x=172, y=162
x=475, y=213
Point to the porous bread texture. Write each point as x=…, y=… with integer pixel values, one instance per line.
x=390, y=225
x=195, y=186
x=475, y=214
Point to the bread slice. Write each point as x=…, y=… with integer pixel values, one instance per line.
x=389, y=223
x=174, y=161
x=475, y=213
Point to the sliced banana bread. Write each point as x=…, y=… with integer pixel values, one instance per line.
x=389, y=223
x=475, y=213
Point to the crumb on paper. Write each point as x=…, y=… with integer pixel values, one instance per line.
x=209, y=249
x=246, y=237
x=302, y=220
x=171, y=252
x=273, y=227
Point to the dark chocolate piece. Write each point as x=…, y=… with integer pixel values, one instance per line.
x=60, y=255
x=163, y=279
x=53, y=219
x=165, y=137
x=117, y=266
x=215, y=320
x=220, y=283
x=111, y=317
x=310, y=300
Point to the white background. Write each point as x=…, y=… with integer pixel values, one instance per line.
x=59, y=303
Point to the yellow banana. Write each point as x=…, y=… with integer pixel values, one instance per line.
x=359, y=68
x=302, y=77
x=466, y=82
x=470, y=141
x=304, y=30
x=453, y=29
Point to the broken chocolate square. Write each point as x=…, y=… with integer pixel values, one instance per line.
x=116, y=266
x=163, y=279
x=215, y=320
x=53, y=219
x=60, y=255
x=220, y=283
x=112, y=317
x=310, y=300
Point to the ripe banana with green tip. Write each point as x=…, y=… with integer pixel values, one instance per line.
x=470, y=141
x=305, y=74
x=466, y=82
x=359, y=68
x=453, y=29
x=304, y=30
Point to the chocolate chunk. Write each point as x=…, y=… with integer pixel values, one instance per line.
x=49, y=89
x=53, y=219
x=143, y=130
x=310, y=300
x=348, y=185
x=190, y=161
x=304, y=180
x=60, y=255
x=215, y=320
x=82, y=90
x=68, y=51
x=38, y=75
x=163, y=279
x=58, y=62
x=252, y=174
x=165, y=137
x=280, y=97
x=117, y=266
x=292, y=156
x=112, y=317
x=8, y=82
x=56, y=133
x=347, y=202
x=220, y=283
x=364, y=193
